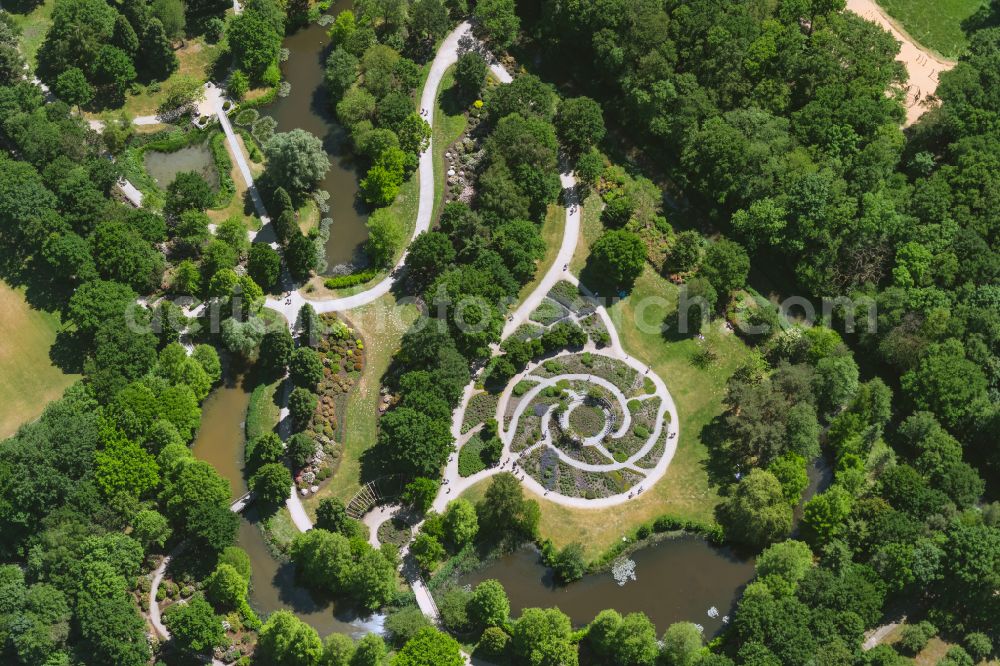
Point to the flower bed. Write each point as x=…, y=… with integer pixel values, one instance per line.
x=587, y=420
x=395, y=531
x=622, y=376
x=482, y=407
x=548, y=312
x=528, y=432
x=596, y=330
x=643, y=424
x=651, y=458
x=590, y=455
x=470, y=458
x=554, y=474
x=528, y=331
x=343, y=359
x=568, y=295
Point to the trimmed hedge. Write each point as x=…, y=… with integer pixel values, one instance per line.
x=262, y=414
x=352, y=280
x=227, y=188
x=470, y=458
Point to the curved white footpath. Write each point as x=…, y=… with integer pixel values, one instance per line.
x=447, y=56
x=453, y=483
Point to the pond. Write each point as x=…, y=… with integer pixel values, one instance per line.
x=164, y=167
x=677, y=579
x=307, y=107
x=220, y=442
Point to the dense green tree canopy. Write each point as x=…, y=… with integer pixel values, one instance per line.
x=296, y=161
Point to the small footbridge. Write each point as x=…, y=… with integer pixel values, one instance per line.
x=241, y=503
x=379, y=491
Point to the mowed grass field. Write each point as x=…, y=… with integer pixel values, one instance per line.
x=33, y=24
x=935, y=24
x=28, y=379
x=552, y=233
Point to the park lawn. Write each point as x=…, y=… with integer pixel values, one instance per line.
x=34, y=25
x=195, y=57
x=30, y=380
x=279, y=528
x=404, y=210
x=932, y=653
x=684, y=491
x=263, y=412
x=237, y=205
x=552, y=233
x=309, y=216
x=935, y=24
x=449, y=125
x=381, y=325
x=590, y=230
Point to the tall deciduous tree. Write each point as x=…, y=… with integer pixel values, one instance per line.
x=505, y=514
x=73, y=88
x=271, y=484
x=542, y=637
x=285, y=640
x=500, y=20
x=470, y=73
x=264, y=265
x=430, y=647
x=296, y=161
x=255, y=43
x=580, y=124
x=194, y=626
x=756, y=513
x=619, y=256
x=726, y=266
x=385, y=237
x=428, y=19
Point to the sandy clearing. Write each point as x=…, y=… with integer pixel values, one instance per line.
x=922, y=66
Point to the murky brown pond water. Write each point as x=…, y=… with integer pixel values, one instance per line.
x=164, y=167
x=220, y=442
x=307, y=107
x=677, y=579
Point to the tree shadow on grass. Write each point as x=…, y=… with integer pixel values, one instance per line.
x=720, y=465
x=453, y=101
x=595, y=283
x=21, y=6
x=68, y=351
x=677, y=330
x=42, y=291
